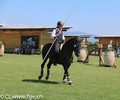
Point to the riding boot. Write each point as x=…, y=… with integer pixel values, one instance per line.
x=55, y=60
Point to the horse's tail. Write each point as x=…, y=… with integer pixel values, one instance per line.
x=45, y=49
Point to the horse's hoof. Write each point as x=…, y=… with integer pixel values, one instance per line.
x=39, y=77
x=47, y=77
x=64, y=81
x=70, y=83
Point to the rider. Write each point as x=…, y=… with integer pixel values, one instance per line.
x=57, y=33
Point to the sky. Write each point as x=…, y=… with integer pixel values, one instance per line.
x=99, y=17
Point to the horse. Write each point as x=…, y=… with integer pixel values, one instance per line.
x=65, y=57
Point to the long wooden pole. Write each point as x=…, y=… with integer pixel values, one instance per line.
x=56, y=37
x=69, y=14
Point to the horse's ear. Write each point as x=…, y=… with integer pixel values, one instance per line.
x=79, y=38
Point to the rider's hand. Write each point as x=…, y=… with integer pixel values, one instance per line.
x=57, y=35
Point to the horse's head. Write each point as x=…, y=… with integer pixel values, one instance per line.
x=77, y=45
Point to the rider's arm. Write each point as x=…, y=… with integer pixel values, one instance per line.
x=53, y=35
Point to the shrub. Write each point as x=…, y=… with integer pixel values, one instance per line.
x=110, y=49
x=1, y=44
x=83, y=47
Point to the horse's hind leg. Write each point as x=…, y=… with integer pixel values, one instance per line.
x=41, y=75
x=42, y=67
x=48, y=69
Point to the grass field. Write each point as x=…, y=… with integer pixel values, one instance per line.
x=19, y=76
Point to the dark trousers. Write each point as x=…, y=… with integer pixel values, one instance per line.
x=56, y=54
x=116, y=50
x=57, y=47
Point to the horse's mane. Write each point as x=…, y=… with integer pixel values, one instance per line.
x=68, y=42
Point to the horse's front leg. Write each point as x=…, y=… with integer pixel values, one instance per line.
x=67, y=74
x=64, y=78
x=68, y=79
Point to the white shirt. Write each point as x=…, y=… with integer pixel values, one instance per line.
x=109, y=46
x=16, y=49
x=53, y=35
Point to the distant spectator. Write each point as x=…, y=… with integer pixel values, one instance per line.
x=110, y=45
x=19, y=50
x=23, y=49
x=118, y=51
x=28, y=50
x=116, y=47
x=16, y=51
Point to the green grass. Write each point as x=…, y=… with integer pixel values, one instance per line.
x=19, y=76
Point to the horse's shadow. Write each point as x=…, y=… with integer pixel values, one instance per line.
x=40, y=81
x=87, y=64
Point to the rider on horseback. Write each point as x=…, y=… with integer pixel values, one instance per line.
x=57, y=33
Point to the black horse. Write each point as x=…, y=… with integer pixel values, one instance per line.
x=65, y=57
